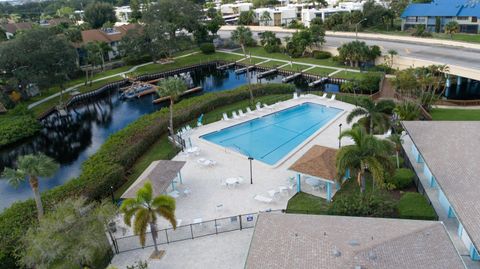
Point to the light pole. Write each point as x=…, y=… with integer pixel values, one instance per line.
x=251, y=171
x=339, y=134
x=356, y=28
x=113, y=198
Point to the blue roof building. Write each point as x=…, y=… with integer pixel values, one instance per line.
x=436, y=14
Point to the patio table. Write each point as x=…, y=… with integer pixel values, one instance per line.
x=313, y=182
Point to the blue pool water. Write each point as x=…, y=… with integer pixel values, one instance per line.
x=272, y=137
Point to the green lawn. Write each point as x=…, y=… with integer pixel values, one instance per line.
x=413, y=205
x=455, y=114
x=321, y=71
x=349, y=75
x=260, y=51
x=272, y=64
x=163, y=150
x=304, y=203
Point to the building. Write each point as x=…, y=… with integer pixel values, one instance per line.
x=111, y=36
x=236, y=8
x=123, y=14
x=278, y=16
x=438, y=13
x=309, y=14
x=321, y=241
x=11, y=29
x=445, y=156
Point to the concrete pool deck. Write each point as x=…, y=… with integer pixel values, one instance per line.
x=204, y=183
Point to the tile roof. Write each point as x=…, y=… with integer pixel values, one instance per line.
x=318, y=161
x=14, y=27
x=451, y=150
x=160, y=173
x=443, y=8
x=102, y=36
x=316, y=241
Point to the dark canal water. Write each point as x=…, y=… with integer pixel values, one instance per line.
x=71, y=141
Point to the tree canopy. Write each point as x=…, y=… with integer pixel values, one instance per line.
x=99, y=13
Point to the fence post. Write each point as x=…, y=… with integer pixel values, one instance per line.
x=216, y=229
x=240, y=217
x=166, y=235
x=191, y=230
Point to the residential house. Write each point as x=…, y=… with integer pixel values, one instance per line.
x=278, y=15
x=11, y=29
x=123, y=14
x=321, y=241
x=309, y=14
x=235, y=8
x=445, y=156
x=436, y=14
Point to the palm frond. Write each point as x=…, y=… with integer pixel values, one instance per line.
x=14, y=177
x=357, y=112
x=140, y=224
x=167, y=214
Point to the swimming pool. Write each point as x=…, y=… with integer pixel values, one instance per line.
x=270, y=138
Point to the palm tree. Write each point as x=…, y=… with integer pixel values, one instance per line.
x=146, y=209
x=172, y=87
x=408, y=111
x=31, y=167
x=265, y=17
x=451, y=28
x=397, y=140
x=368, y=153
x=103, y=49
x=392, y=53
x=376, y=113
x=243, y=37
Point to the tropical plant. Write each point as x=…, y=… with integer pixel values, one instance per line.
x=265, y=18
x=270, y=42
x=391, y=56
x=31, y=167
x=452, y=27
x=243, y=37
x=397, y=140
x=246, y=17
x=356, y=52
x=172, y=87
x=146, y=210
x=368, y=153
x=408, y=110
x=72, y=235
x=375, y=113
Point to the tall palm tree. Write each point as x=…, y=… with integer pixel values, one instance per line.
x=376, y=113
x=103, y=49
x=451, y=28
x=146, y=210
x=172, y=87
x=396, y=140
x=368, y=153
x=392, y=53
x=31, y=167
x=243, y=37
x=266, y=18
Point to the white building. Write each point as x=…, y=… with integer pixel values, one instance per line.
x=229, y=9
x=123, y=13
x=309, y=14
x=278, y=16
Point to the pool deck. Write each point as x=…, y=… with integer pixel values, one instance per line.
x=205, y=182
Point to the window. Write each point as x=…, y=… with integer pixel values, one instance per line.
x=474, y=19
x=462, y=18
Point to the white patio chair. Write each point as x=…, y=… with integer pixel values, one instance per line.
x=267, y=106
x=263, y=199
x=259, y=107
x=234, y=115
x=187, y=192
x=225, y=117
x=174, y=194
x=249, y=111
x=223, y=183
x=332, y=98
x=295, y=95
x=240, y=112
x=324, y=96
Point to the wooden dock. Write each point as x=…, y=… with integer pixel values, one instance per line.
x=189, y=91
x=147, y=92
x=243, y=70
x=225, y=66
x=268, y=72
x=291, y=77
x=316, y=82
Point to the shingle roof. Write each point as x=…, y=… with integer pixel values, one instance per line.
x=313, y=241
x=443, y=8
x=318, y=161
x=14, y=27
x=160, y=173
x=102, y=36
x=451, y=151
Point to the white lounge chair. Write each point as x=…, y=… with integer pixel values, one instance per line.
x=263, y=199
x=267, y=106
x=333, y=97
x=206, y=163
x=324, y=96
x=240, y=112
x=225, y=117
x=249, y=110
x=295, y=95
x=259, y=106
x=234, y=115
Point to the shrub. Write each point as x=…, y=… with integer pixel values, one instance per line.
x=363, y=205
x=107, y=166
x=17, y=124
x=207, y=48
x=403, y=178
x=321, y=54
x=414, y=205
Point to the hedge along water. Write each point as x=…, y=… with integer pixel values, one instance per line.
x=71, y=141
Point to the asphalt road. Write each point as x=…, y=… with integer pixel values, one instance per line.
x=442, y=54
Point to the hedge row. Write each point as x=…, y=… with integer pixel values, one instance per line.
x=16, y=127
x=414, y=205
x=118, y=154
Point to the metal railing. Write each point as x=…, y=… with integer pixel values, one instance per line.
x=187, y=232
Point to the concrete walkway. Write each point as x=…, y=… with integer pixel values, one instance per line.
x=73, y=88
